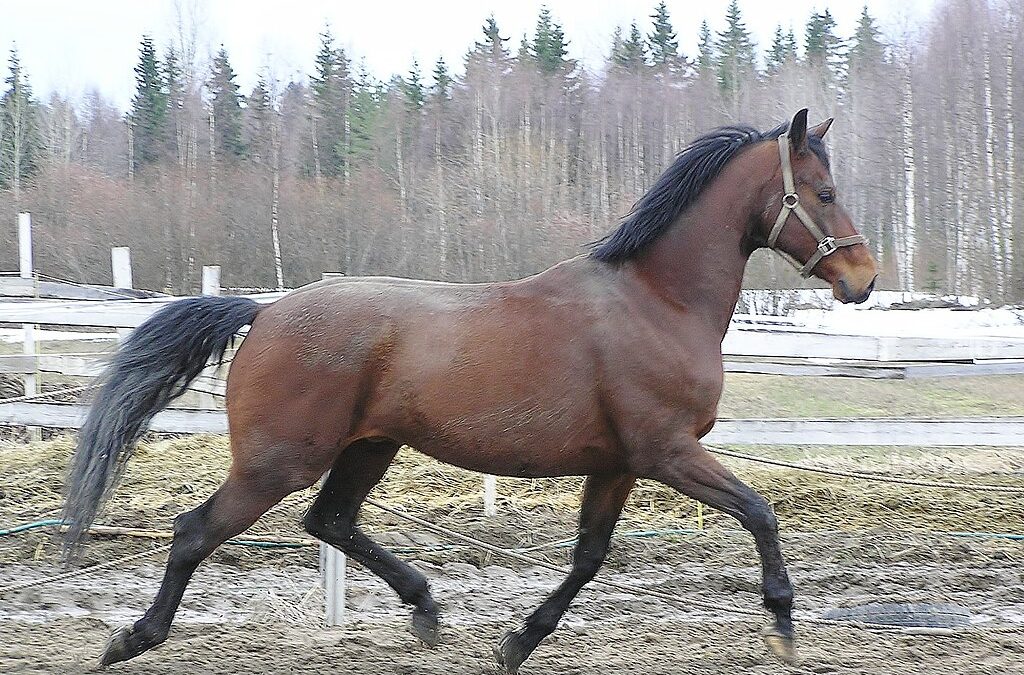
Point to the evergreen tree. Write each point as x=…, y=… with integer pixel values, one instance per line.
x=175, y=89
x=331, y=87
x=822, y=47
x=442, y=80
x=493, y=45
x=782, y=51
x=662, y=40
x=227, y=108
x=866, y=47
x=413, y=89
x=363, y=115
x=149, y=111
x=735, y=51
x=630, y=53
x=259, y=112
x=20, y=143
x=706, y=57
x=550, y=47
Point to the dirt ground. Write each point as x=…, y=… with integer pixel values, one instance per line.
x=264, y=616
x=254, y=610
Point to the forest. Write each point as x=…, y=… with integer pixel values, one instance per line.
x=520, y=156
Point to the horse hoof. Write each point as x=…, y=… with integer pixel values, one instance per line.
x=781, y=644
x=117, y=648
x=509, y=653
x=424, y=626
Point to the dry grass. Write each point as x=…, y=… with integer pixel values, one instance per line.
x=166, y=477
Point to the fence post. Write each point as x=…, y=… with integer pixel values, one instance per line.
x=332, y=578
x=121, y=268
x=490, y=495
x=211, y=279
x=25, y=271
x=211, y=286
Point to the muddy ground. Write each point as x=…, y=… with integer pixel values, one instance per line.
x=260, y=611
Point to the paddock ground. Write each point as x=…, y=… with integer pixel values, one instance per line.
x=847, y=543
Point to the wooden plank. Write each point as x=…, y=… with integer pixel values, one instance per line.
x=63, y=416
x=76, y=366
x=807, y=369
x=880, y=370
x=17, y=287
x=782, y=342
x=108, y=314
x=925, y=432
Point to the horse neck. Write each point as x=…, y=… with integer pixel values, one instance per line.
x=698, y=263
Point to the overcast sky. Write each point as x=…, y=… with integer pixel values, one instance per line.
x=71, y=45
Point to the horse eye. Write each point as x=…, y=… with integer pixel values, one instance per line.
x=826, y=196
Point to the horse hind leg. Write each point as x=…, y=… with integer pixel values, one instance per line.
x=236, y=505
x=332, y=519
x=603, y=499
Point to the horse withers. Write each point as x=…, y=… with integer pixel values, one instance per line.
x=608, y=365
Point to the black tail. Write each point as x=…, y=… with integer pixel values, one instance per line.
x=153, y=367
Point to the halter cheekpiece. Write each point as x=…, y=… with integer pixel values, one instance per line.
x=827, y=245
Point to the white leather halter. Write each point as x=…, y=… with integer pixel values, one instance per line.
x=827, y=245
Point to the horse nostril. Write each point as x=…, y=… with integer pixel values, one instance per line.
x=867, y=292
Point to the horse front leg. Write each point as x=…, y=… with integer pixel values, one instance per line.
x=694, y=472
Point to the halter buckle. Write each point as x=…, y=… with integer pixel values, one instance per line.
x=827, y=246
x=790, y=200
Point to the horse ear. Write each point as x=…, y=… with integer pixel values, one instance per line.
x=822, y=128
x=798, y=132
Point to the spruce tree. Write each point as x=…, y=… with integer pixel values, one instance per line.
x=20, y=142
x=331, y=87
x=149, y=111
x=662, y=40
x=413, y=89
x=822, y=47
x=782, y=51
x=227, y=108
x=493, y=45
x=630, y=53
x=363, y=114
x=259, y=113
x=865, y=47
x=442, y=89
x=735, y=51
x=706, y=57
x=550, y=47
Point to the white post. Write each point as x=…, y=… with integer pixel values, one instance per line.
x=211, y=286
x=25, y=271
x=490, y=495
x=334, y=585
x=211, y=279
x=121, y=268
x=121, y=265
x=332, y=578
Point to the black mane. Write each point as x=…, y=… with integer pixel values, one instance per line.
x=678, y=187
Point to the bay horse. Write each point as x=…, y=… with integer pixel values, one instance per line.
x=607, y=365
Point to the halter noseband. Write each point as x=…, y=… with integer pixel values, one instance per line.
x=827, y=245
